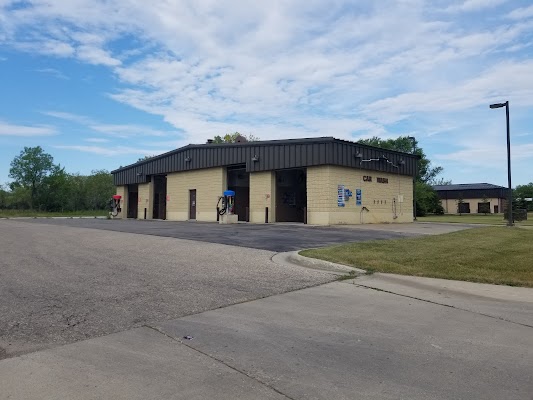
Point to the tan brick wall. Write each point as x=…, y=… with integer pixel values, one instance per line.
x=146, y=200
x=123, y=191
x=262, y=194
x=209, y=184
x=450, y=205
x=379, y=198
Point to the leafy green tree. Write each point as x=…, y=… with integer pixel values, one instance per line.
x=144, y=158
x=99, y=189
x=523, y=192
x=427, y=200
x=56, y=190
x=4, y=197
x=19, y=198
x=460, y=202
x=441, y=181
x=426, y=172
x=232, y=138
x=485, y=205
x=29, y=169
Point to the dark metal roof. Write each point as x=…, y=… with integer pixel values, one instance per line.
x=467, y=186
x=470, y=191
x=268, y=155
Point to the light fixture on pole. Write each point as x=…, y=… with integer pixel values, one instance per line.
x=510, y=190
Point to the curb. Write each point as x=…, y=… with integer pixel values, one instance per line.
x=292, y=257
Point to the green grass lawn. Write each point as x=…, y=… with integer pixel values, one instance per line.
x=498, y=255
x=492, y=219
x=29, y=213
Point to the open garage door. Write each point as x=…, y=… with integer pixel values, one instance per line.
x=133, y=201
x=160, y=197
x=291, y=195
x=239, y=182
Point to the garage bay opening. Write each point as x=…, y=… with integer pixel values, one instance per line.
x=133, y=201
x=291, y=195
x=160, y=197
x=239, y=182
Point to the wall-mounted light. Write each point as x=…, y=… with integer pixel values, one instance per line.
x=358, y=155
x=188, y=159
x=401, y=162
x=255, y=158
x=139, y=174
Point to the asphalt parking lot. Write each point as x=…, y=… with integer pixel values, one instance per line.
x=61, y=284
x=272, y=237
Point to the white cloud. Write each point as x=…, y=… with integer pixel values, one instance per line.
x=521, y=13
x=47, y=47
x=7, y=129
x=127, y=130
x=117, y=130
x=283, y=69
x=79, y=119
x=96, y=56
x=53, y=72
x=96, y=140
x=475, y=5
x=478, y=155
x=493, y=84
x=111, y=150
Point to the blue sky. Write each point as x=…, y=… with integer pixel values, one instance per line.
x=99, y=84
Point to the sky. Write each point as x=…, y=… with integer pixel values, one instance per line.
x=100, y=83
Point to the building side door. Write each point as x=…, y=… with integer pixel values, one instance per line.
x=192, y=204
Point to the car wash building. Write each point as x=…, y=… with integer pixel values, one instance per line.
x=323, y=181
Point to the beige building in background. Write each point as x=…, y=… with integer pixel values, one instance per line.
x=472, y=198
x=322, y=181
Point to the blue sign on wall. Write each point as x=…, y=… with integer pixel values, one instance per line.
x=340, y=196
x=358, y=197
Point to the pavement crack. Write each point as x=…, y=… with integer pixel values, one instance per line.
x=442, y=304
x=173, y=338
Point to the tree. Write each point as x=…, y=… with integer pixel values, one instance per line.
x=523, y=192
x=29, y=169
x=56, y=190
x=4, y=197
x=485, y=205
x=144, y=158
x=426, y=172
x=442, y=182
x=460, y=202
x=427, y=200
x=232, y=137
x=99, y=189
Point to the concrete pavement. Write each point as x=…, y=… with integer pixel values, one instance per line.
x=138, y=364
x=508, y=303
x=336, y=341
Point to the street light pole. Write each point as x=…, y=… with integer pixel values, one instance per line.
x=510, y=190
x=413, y=139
